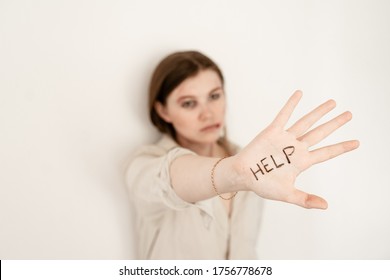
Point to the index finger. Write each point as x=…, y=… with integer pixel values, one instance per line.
x=287, y=110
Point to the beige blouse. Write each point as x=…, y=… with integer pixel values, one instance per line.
x=171, y=228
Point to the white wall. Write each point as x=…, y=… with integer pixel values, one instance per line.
x=73, y=83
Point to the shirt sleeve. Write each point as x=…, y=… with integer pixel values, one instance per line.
x=149, y=182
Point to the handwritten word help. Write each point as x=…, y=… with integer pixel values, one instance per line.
x=267, y=166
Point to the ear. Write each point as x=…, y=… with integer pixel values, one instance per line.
x=162, y=111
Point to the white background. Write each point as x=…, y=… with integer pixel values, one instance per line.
x=73, y=93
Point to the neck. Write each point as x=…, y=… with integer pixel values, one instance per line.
x=206, y=149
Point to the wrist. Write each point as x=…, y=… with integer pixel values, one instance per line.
x=233, y=174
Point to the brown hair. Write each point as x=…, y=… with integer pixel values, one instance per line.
x=171, y=72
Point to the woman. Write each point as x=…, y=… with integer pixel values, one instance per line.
x=196, y=196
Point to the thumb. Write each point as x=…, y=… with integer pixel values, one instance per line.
x=307, y=200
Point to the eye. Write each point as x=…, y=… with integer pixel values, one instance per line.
x=188, y=104
x=215, y=96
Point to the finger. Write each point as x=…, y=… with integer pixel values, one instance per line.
x=285, y=114
x=319, y=133
x=329, y=152
x=302, y=125
x=308, y=201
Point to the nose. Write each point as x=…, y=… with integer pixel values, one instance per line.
x=205, y=112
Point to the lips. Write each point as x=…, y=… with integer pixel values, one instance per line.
x=211, y=127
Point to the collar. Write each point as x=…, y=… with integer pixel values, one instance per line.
x=167, y=143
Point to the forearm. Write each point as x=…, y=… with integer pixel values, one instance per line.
x=191, y=177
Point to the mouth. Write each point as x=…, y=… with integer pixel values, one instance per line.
x=210, y=128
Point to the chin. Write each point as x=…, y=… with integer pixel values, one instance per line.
x=201, y=138
x=209, y=139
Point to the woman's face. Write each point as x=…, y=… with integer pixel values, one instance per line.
x=196, y=109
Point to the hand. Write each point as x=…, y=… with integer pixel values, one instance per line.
x=273, y=160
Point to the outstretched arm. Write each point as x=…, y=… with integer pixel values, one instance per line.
x=270, y=163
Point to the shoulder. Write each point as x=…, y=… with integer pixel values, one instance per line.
x=149, y=165
x=157, y=155
x=160, y=148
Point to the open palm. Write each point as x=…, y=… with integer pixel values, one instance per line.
x=271, y=162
